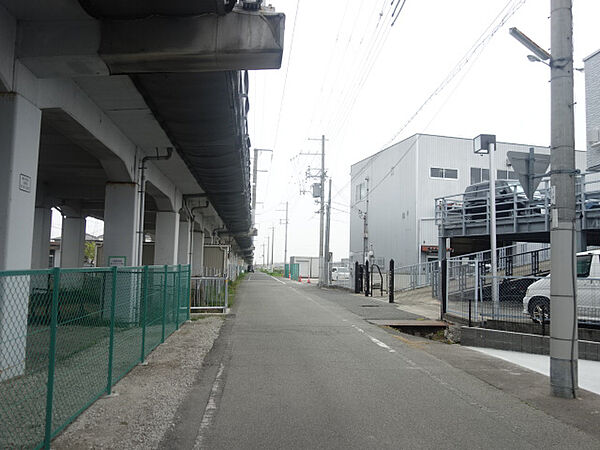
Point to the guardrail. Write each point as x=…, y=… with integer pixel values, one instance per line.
x=514, y=211
x=68, y=335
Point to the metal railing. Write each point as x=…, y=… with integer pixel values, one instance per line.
x=68, y=335
x=415, y=276
x=514, y=211
x=209, y=293
x=521, y=299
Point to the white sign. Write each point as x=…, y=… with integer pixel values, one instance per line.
x=118, y=261
x=24, y=183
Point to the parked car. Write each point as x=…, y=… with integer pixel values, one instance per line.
x=509, y=194
x=340, y=273
x=536, y=302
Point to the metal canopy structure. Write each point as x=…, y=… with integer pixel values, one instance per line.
x=204, y=115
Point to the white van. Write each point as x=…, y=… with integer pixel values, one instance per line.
x=536, y=302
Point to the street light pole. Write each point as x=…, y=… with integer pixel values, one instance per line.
x=272, y=245
x=494, y=260
x=563, y=304
x=563, y=294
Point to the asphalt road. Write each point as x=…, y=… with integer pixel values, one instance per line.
x=297, y=368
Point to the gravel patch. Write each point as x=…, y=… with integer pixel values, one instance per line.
x=148, y=397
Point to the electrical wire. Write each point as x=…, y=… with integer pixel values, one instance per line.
x=509, y=10
x=483, y=40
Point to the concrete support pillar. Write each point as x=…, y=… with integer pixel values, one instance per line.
x=20, y=123
x=72, y=245
x=198, y=254
x=121, y=213
x=166, y=238
x=185, y=243
x=40, y=248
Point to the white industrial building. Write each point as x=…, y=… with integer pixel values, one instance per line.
x=592, y=109
x=397, y=187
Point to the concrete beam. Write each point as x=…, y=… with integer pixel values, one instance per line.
x=237, y=41
x=8, y=35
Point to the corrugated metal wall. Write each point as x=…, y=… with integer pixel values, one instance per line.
x=592, y=110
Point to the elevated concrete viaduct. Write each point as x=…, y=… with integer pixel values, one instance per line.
x=130, y=112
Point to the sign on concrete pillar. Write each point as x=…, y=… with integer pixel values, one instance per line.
x=19, y=148
x=40, y=248
x=121, y=213
x=166, y=238
x=72, y=243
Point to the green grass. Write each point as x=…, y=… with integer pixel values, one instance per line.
x=233, y=287
x=275, y=273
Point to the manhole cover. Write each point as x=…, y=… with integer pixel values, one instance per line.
x=370, y=306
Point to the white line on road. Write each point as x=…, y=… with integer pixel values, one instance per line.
x=374, y=340
x=211, y=408
x=279, y=281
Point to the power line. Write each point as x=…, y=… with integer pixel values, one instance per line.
x=474, y=51
x=479, y=45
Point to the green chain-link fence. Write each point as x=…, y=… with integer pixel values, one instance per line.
x=68, y=335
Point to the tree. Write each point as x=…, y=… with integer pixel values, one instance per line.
x=90, y=251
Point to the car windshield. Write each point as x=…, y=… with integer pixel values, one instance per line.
x=584, y=262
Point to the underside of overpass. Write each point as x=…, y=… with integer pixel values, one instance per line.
x=111, y=84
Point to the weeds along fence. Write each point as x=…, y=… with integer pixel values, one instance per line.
x=68, y=335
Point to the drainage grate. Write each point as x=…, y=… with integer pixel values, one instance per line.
x=370, y=306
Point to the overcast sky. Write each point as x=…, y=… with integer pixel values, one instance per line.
x=351, y=76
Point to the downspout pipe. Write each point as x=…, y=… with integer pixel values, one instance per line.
x=142, y=197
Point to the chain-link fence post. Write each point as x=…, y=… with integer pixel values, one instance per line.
x=164, y=313
x=144, y=311
x=178, y=296
x=111, y=345
x=52, y=356
x=226, y=295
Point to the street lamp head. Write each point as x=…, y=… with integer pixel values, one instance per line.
x=531, y=46
x=533, y=58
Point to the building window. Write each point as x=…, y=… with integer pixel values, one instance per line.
x=507, y=175
x=361, y=191
x=478, y=175
x=439, y=172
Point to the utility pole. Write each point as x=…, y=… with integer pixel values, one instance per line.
x=322, y=175
x=366, y=225
x=255, y=180
x=327, y=233
x=268, y=250
x=272, y=245
x=563, y=268
x=286, y=232
x=563, y=303
x=263, y=258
